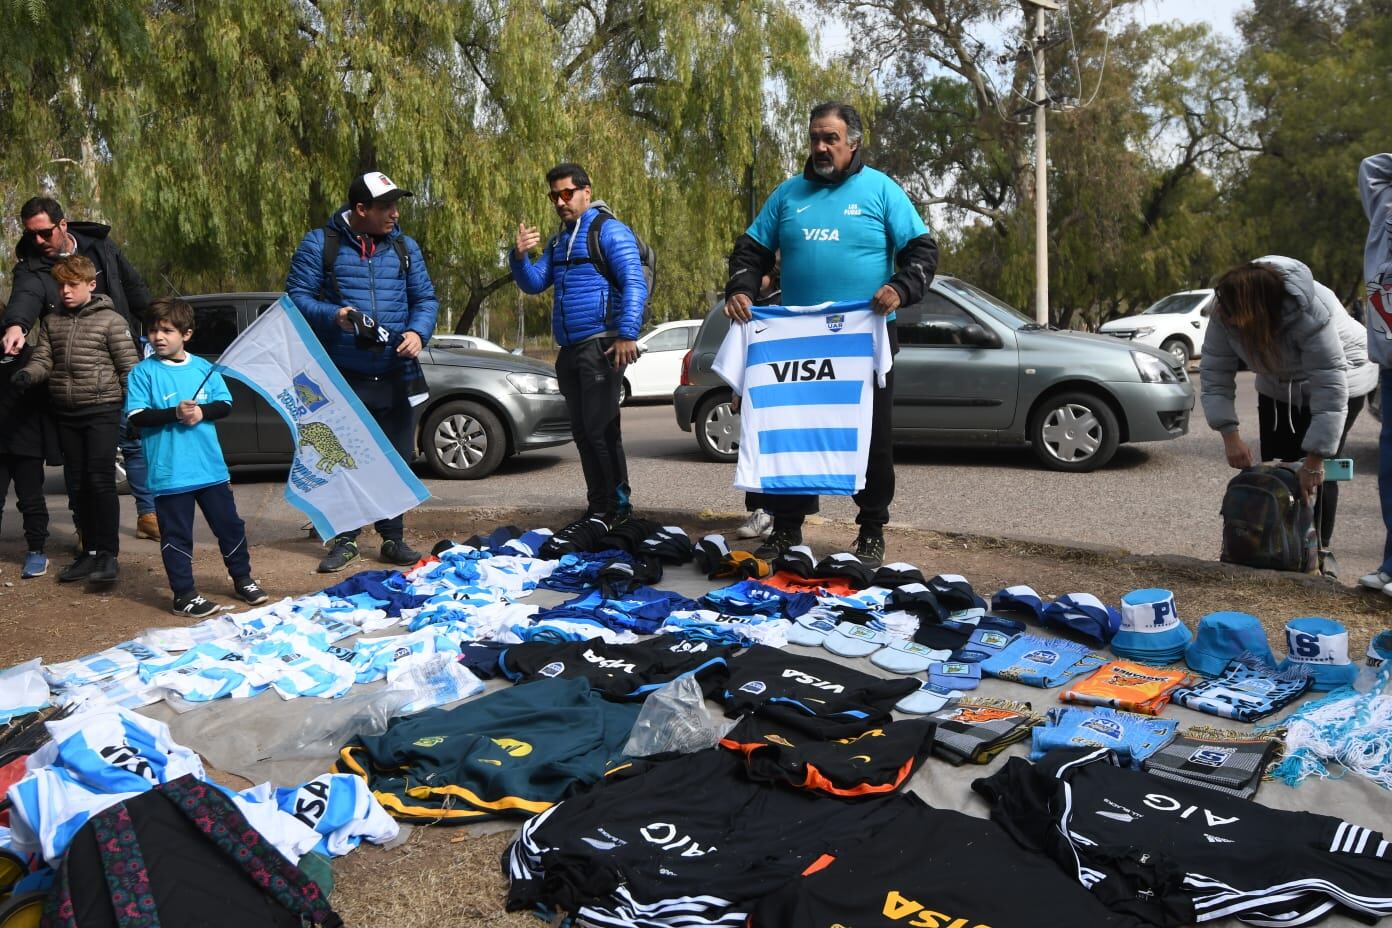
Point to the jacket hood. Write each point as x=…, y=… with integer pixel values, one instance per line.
x=98, y=302
x=26, y=250
x=852, y=169
x=339, y=221
x=1301, y=313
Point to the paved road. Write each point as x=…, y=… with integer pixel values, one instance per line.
x=1158, y=498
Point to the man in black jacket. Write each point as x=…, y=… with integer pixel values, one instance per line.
x=48, y=236
x=842, y=231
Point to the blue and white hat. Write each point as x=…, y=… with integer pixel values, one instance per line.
x=1380, y=649
x=1021, y=599
x=1085, y=615
x=1151, y=631
x=1321, y=646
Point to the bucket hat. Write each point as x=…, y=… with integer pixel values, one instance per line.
x=1222, y=636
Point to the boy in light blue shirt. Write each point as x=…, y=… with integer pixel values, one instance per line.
x=173, y=398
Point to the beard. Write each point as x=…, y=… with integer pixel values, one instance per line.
x=826, y=168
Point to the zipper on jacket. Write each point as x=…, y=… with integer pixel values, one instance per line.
x=72, y=332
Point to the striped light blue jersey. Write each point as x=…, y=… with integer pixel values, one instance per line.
x=806, y=375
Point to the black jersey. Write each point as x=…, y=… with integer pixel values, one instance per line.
x=931, y=868
x=768, y=677
x=620, y=671
x=859, y=761
x=1173, y=854
x=690, y=842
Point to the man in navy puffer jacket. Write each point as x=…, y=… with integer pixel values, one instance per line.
x=369, y=276
x=595, y=322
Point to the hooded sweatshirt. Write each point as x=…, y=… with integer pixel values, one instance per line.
x=1375, y=187
x=1323, y=360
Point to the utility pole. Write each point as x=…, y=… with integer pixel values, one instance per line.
x=1041, y=160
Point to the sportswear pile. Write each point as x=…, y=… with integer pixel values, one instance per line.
x=750, y=597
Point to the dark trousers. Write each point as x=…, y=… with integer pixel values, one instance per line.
x=387, y=401
x=789, y=510
x=28, y=477
x=88, y=439
x=175, y=513
x=1282, y=431
x=591, y=389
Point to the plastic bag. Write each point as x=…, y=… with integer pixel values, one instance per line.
x=674, y=719
x=432, y=680
x=328, y=725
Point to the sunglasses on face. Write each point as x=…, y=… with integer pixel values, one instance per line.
x=44, y=234
x=564, y=195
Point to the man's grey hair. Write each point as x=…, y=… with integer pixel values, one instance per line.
x=844, y=112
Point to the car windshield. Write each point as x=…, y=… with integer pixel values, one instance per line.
x=1175, y=303
x=975, y=295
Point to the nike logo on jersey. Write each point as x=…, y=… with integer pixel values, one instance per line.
x=170, y=396
x=821, y=235
x=898, y=907
x=1214, y=839
x=1118, y=816
x=801, y=208
x=809, y=369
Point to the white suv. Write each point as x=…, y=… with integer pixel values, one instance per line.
x=1176, y=324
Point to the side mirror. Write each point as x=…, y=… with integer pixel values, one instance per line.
x=517, y=350
x=979, y=336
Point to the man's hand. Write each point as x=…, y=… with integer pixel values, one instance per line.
x=737, y=307
x=622, y=353
x=1238, y=452
x=342, y=318
x=885, y=300
x=13, y=342
x=527, y=239
x=410, y=345
x=189, y=413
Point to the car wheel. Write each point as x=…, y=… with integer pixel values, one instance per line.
x=1074, y=432
x=123, y=486
x=717, y=429
x=625, y=392
x=1179, y=348
x=463, y=440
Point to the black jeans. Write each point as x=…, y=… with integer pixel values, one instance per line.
x=388, y=403
x=88, y=439
x=789, y=510
x=591, y=389
x=1281, y=442
x=175, y=512
x=28, y=477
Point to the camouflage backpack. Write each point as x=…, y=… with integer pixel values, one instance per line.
x=1267, y=522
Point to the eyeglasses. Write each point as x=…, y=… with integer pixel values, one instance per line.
x=564, y=195
x=44, y=234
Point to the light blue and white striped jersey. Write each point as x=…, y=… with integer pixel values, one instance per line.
x=806, y=375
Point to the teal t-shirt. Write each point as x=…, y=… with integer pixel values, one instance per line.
x=837, y=241
x=179, y=458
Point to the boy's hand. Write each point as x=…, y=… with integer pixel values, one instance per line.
x=21, y=381
x=189, y=413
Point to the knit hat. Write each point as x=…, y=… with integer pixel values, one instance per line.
x=810, y=630
x=1085, y=615
x=1321, y=645
x=850, y=640
x=619, y=577
x=955, y=675
x=671, y=544
x=1019, y=599
x=527, y=544
x=796, y=560
x=927, y=698
x=955, y=593
x=907, y=657
x=893, y=576
x=845, y=565
x=1151, y=631
x=984, y=643
x=1222, y=636
x=709, y=551
x=1380, y=649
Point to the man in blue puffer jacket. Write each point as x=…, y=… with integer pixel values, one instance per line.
x=596, y=318
x=380, y=273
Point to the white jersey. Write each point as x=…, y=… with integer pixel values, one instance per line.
x=806, y=376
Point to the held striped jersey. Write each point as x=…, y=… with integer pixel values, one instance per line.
x=805, y=375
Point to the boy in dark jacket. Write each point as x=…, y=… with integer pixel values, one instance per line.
x=22, y=461
x=84, y=351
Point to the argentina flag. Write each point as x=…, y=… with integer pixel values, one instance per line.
x=346, y=474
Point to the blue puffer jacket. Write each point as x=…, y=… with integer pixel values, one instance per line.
x=370, y=278
x=584, y=304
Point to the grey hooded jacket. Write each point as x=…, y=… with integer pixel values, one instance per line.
x=1375, y=187
x=1323, y=361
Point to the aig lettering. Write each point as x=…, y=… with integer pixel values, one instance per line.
x=898, y=908
x=809, y=369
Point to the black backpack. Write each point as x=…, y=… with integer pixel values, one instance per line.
x=646, y=256
x=1267, y=522
x=333, y=238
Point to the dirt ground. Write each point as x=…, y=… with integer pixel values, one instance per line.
x=445, y=876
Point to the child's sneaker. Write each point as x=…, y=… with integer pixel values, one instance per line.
x=193, y=606
x=249, y=591
x=35, y=565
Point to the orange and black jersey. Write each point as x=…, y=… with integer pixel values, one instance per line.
x=809, y=686
x=855, y=762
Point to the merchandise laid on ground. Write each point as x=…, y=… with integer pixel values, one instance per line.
x=683, y=734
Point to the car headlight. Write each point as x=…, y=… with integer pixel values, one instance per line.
x=534, y=383
x=1145, y=330
x=1153, y=369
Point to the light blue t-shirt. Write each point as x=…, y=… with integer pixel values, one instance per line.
x=837, y=241
x=180, y=458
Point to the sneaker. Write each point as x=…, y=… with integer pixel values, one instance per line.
x=249, y=591
x=79, y=569
x=1328, y=565
x=778, y=541
x=35, y=565
x=147, y=526
x=395, y=551
x=870, y=549
x=759, y=523
x=343, y=553
x=1376, y=580
x=193, y=606
x=107, y=569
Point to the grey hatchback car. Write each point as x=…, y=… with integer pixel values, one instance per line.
x=972, y=369
x=483, y=405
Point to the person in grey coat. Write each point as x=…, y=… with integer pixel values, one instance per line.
x=1375, y=188
x=1311, y=361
